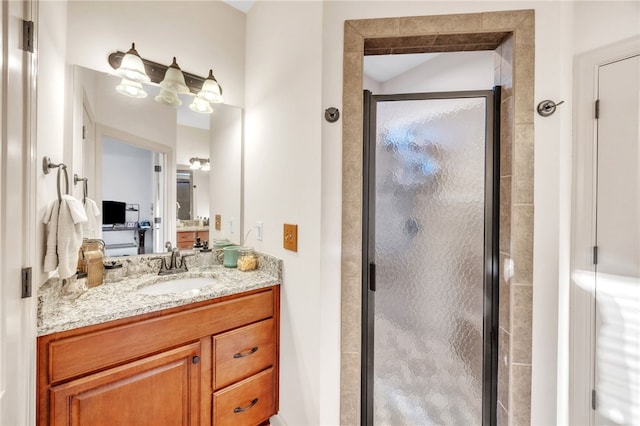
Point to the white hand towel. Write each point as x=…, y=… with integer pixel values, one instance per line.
x=64, y=235
x=91, y=228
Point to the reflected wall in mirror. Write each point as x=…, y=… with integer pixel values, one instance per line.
x=122, y=137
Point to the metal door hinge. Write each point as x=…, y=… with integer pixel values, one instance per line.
x=157, y=220
x=157, y=169
x=84, y=133
x=595, y=255
x=597, y=109
x=26, y=282
x=27, y=36
x=593, y=399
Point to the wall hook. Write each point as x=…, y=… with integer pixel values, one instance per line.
x=332, y=114
x=548, y=107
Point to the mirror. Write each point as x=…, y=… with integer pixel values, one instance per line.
x=135, y=151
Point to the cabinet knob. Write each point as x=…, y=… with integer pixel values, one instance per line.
x=195, y=359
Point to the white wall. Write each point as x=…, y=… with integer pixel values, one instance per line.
x=202, y=35
x=50, y=133
x=225, y=190
x=454, y=71
x=283, y=185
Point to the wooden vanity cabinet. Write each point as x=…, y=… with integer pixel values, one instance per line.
x=209, y=363
x=186, y=239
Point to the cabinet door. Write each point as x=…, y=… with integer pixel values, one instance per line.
x=159, y=390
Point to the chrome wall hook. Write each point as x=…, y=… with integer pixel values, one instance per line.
x=332, y=114
x=548, y=107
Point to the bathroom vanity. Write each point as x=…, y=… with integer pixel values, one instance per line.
x=211, y=359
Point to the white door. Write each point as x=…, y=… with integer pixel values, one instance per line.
x=17, y=218
x=617, y=331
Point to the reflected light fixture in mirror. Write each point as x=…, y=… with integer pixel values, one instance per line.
x=131, y=88
x=203, y=164
x=171, y=79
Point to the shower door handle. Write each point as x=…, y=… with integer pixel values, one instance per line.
x=372, y=276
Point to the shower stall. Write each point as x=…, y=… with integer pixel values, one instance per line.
x=430, y=258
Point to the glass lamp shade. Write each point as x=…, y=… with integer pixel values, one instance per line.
x=195, y=164
x=174, y=79
x=211, y=90
x=132, y=67
x=130, y=88
x=200, y=105
x=206, y=166
x=168, y=97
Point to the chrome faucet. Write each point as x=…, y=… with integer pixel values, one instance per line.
x=177, y=263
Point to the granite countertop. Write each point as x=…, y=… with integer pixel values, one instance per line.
x=192, y=228
x=62, y=308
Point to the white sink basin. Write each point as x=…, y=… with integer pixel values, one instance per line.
x=178, y=285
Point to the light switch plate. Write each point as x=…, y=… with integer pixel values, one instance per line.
x=290, y=237
x=218, y=222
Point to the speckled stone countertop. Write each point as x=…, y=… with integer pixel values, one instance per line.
x=66, y=304
x=192, y=228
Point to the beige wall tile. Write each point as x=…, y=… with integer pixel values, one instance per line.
x=505, y=215
x=523, y=78
x=521, y=303
x=353, y=40
x=525, y=31
x=377, y=27
x=351, y=314
x=350, y=389
x=522, y=243
x=520, y=407
x=507, y=67
x=504, y=20
x=506, y=136
x=523, y=158
x=503, y=416
x=504, y=308
x=504, y=363
x=471, y=22
x=351, y=239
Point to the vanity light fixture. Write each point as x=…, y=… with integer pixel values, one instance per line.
x=200, y=164
x=132, y=67
x=211, y=90
x=171, y=79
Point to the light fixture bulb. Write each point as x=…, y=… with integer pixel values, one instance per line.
x=195, y=164
x=201, y=106
x=206, y=166
x=132, y=67
x=174, y=79
x=211, y=90
x=168, y=97
x=130, y=88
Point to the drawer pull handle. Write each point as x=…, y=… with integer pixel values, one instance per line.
x=241, y=409
x=251, y=352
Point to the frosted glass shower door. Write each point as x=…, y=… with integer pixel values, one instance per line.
x=431, y=250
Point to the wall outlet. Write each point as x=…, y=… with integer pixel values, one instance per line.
x=259, y=230
x=218, y=222
x=290, y=237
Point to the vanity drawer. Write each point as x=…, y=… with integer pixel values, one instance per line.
x=74, y=356
x=187, y=237
x=242, y=352
x=249, y=402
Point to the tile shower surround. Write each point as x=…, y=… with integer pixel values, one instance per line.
x=511, y=35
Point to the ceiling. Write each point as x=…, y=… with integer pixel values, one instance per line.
x=242, y=5
x=382, y=68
